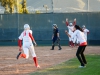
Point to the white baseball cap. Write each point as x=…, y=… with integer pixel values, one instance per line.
x=26, y=26
x=70, y=24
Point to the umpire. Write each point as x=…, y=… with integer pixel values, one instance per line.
x=55, y=37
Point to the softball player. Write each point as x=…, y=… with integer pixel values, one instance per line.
x=55, y=37
x=70, y=29
x=86, y=31
x=27, y=38
x=83, y=43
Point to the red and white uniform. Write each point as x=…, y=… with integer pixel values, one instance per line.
x=70, y=29
x=86, y=31
x=81, y=37
x=27, y=38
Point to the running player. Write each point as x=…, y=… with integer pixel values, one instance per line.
x=83, y=43
x=27, y=38
x=70, y=28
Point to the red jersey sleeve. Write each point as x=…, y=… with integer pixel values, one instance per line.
x=74, y=23
x=30, y=35
x=67, y=23
x=20, y=43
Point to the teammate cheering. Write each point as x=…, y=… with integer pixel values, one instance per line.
x=86, y=31
x=70, y=27
x=55, y=37
x=27, y=38
x=83, y=43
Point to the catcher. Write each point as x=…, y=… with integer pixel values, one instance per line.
x=55, y=37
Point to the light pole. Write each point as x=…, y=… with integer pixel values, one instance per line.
x=88, y=5
x=46, y=7
x=52, y=6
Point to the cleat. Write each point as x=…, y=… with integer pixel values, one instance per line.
x=38, y=66
x=18, y=55
x=82, y=66
x=51, y=49
x=60, y=48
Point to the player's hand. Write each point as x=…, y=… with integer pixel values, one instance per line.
x=20, y=48
x=58, y=39
x=66, y=31
x=66, y=19
x=75, y=19
x=35, y=44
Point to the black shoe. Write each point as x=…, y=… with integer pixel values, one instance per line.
x=18, y=55
x=51, y=49
x=60, y=48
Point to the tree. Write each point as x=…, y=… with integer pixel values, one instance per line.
x=12, y=5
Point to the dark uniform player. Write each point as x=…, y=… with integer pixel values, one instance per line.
x=55, y=37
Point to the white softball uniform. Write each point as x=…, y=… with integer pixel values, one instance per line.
x=80, y=35
x=27, y=43
x=75, y=40
x=70, y=29
x=85, y=32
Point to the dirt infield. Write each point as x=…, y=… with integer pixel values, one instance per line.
x=9, y=65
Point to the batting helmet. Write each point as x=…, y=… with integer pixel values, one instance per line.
x=26, y=26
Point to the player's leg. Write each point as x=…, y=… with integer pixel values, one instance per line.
x=74, y=41
x=79, y=50
x=70, y=42
x=82, y=55
x=26, y=53
x=53, y=43
x=58, y=42
x=31, y=48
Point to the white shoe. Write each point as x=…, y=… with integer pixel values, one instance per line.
x=82, y=66
x=38, y=66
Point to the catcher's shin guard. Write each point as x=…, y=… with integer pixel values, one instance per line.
x=59, y=46
x=52, y=47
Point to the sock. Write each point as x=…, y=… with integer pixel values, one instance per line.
x=35, y=61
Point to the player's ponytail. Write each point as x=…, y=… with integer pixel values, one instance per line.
x=78, y=27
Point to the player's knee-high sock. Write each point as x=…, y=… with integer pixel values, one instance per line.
x=35, y=61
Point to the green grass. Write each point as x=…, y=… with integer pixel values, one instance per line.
x=71, y=67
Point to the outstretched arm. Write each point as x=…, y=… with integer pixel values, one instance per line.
x=67, y=22
x=32, y=38
x=74, y=23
